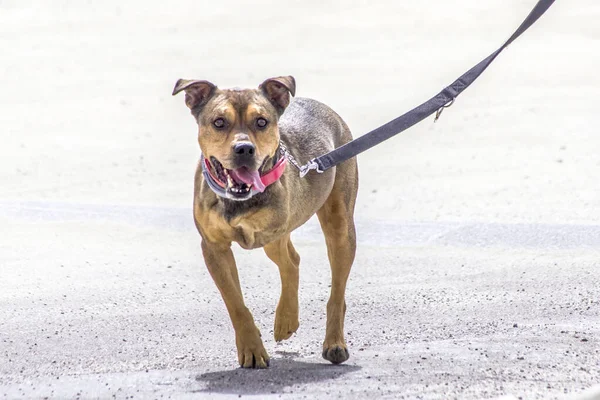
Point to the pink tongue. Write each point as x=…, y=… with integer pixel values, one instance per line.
x=248, y=177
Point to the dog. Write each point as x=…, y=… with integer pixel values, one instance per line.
x=246, y=191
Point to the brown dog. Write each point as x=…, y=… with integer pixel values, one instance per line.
x=244, y=193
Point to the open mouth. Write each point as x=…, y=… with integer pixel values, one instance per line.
x=238, y=182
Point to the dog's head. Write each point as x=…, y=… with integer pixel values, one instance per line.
x=237, y=128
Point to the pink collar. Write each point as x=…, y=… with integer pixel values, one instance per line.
x=267, y=179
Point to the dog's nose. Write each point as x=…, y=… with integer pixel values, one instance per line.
x=245, y=149
x=243, y=153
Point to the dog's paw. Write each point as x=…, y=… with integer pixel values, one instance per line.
x=286, y=322
x=251, y=352
x=336, y=353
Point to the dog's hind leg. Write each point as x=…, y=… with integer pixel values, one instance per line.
x=221, y=265
x=282, y=253
x=337, y=221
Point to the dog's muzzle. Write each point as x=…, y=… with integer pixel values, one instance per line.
x=239, y=184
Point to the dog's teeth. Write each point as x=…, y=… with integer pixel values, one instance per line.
x=229, y=181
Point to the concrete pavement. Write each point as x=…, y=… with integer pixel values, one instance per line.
x=477, y=274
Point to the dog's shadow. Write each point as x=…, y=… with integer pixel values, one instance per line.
x=283, y=373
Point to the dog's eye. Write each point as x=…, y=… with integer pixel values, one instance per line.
x=261, y=122
x=219, y=123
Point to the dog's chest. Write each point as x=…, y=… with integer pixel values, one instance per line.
x=250, y=230
x=248, y=237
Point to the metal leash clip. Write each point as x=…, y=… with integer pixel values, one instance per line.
x=311, y=165
x=304, y=169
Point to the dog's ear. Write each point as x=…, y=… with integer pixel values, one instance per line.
x=278, y=91
x=197, y=93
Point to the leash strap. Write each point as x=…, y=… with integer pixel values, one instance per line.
x=436, y=105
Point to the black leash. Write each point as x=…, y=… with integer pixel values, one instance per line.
x=436, y=105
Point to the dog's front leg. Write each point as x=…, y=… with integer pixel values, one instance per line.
x=282, y=253
x=221, y=265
